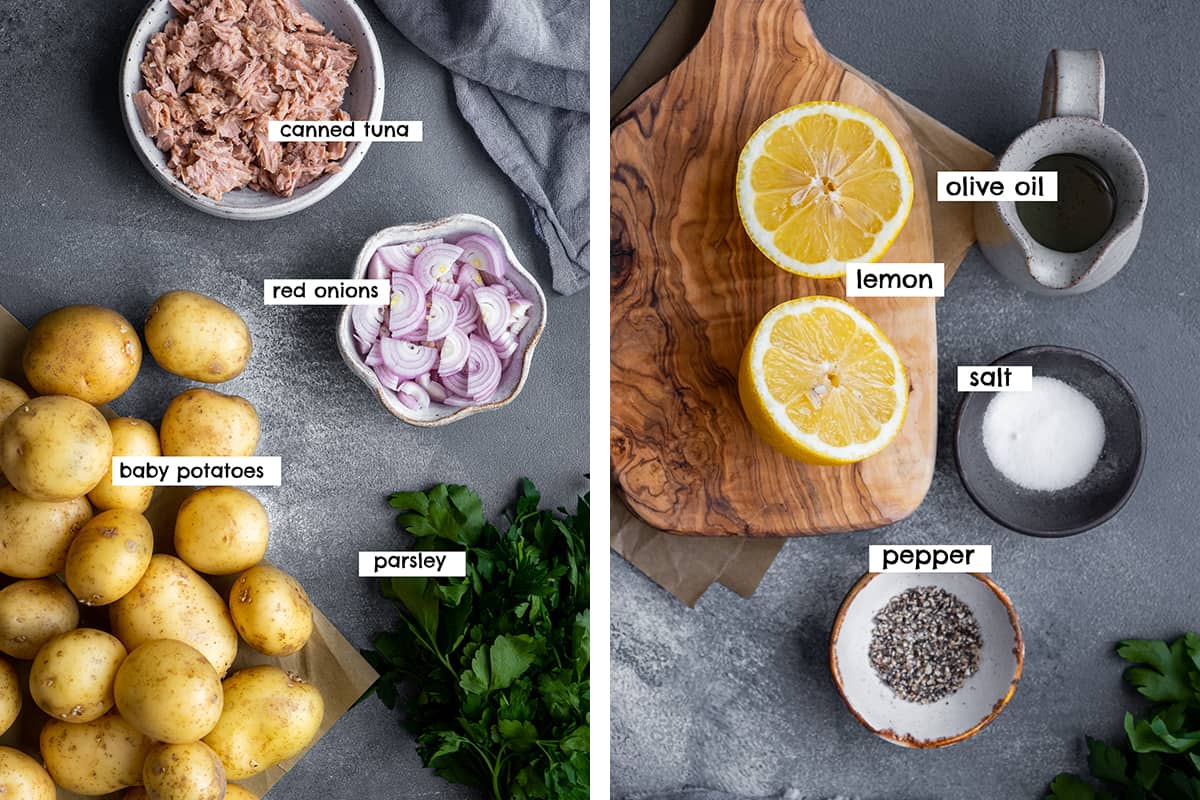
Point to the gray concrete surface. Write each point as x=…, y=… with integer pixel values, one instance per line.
x=735, y=695
x=82, y=221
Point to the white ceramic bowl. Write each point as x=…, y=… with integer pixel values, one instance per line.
x=513, y=379
x=364, y=101
x=954, y=718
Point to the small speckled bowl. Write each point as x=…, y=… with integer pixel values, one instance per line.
x=363, y=101
x=954, y=718
x=511, y=382
x=1092, y=501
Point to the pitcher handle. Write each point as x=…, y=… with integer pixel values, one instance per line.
x=1073, y=85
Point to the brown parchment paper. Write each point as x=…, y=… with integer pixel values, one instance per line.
x=687, y=566
x=328, y=661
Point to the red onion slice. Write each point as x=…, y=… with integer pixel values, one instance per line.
x=411, y=249
x=413, y=396
x=455, y=349
x=407, y=360
x=483, y=370
x=468, y=309
x=437, y=392
x=469, y=276
x=506, y=345
x=374, y=357
x=456, y=385
x=483, y=253
x=442, y=314
x=395, y=257
x=387, y=378
x=377, y=268
x=366, y=322
x=493, y=310
x=407, y=308
x=460, y=402
x=435, y=263
x=451, y=290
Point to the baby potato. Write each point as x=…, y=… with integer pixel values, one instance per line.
x=97, y=757
x=109, y=556
x=169, y=691
x=10, y=700
x=72, y=675
x=197, y=337
x=55, y=448
x=35, y=535
x=23, y=778
x=171, y=601
x=271, y=611
x=11, y=398
x=184, y=772
x=235, y=792
x=269, y=716
x=201, y=422
x=131, y=437
x=221, y=530
x=32, y=613
x=88, y=352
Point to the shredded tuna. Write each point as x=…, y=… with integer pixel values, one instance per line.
x=217, y=72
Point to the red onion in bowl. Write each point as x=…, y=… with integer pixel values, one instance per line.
x=435, y=263
x=442, y=314
x=407, y=308
x=483, y=253
x=413, y=395
x=455, y=349
x=483, y=370
x=451, y=331
x=493, y=310
x=407, y=360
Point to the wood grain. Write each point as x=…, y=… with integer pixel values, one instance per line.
x=688, y=287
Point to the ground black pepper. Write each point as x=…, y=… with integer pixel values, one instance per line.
x=925, y=644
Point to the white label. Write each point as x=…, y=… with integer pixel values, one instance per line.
x=351, y=130
x=990, y=185
x=995, y=379
x=412, y=564
x=929, y=558
x=895, y=280
x=197, y=471
x=326, y=292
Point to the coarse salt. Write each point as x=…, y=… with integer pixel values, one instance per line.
x=1046, y=439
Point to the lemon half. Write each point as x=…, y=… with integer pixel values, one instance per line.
x=821, y=184
x=821, y=383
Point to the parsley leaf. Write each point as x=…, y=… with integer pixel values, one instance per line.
x=493, y=668
x=1160, y=748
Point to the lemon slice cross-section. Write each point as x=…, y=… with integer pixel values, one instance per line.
x=822, y=184
x=821, y=383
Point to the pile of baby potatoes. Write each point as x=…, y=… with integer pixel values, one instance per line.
x=144, y=702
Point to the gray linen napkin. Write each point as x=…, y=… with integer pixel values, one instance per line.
x=521, y=81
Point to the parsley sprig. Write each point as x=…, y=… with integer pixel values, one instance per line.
x=493, y=667
x=1160, y=757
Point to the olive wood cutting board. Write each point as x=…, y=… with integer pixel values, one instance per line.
x=688, y=287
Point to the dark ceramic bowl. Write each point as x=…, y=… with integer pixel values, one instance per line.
x=1092, y=501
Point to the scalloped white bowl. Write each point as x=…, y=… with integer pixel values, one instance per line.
x=363, y=101
x=511, y=382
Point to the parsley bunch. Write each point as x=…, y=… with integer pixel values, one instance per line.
x=1160, y=759
x=494, y=666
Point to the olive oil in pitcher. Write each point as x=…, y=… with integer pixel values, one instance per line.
x=1084, y=210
